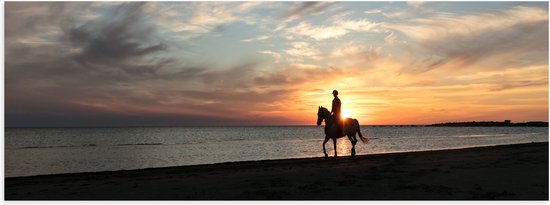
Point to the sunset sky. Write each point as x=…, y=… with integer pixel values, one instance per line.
x=273, y=63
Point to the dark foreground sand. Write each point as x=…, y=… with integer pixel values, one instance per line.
x=499, y=172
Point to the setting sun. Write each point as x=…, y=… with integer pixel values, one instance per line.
x=345, y=113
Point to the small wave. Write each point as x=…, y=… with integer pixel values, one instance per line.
x=531, y=133
x=140, y=144
x=61, y=146
x=473, y=136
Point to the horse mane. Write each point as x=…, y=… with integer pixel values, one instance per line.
x=325, y=112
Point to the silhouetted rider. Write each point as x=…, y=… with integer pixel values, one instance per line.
x=335, y=111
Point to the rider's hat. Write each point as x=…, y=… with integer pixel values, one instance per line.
x=335, y=92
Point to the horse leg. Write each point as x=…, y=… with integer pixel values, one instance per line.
x=334, y=142
x=352, y=145
x=324, y=151
x=353, y=141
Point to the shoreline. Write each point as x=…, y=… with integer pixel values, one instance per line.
x=262, y=161
x=517, y=171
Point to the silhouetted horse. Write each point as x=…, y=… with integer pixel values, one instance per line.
x=351, y=127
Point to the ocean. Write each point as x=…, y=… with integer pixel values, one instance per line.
x=40, y=151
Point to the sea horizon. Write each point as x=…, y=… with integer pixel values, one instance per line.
x=265, y=125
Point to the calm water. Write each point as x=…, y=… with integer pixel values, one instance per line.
x=39, y=151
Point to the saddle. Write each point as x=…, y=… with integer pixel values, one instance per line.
x=340, y=127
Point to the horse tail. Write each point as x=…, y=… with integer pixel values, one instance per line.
x=363, y=139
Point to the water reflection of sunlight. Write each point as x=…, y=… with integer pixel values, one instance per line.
x=343, y=146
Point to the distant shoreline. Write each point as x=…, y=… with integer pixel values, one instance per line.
x=445, y=124
x=506, y=123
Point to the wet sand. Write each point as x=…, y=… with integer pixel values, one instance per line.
x=508, y=172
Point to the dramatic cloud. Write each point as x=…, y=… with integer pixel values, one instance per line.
x=338, y=29
x=303, y=49
x=40, y=23
x=194, y=19
x=306, y=8
x=300, y=11
x=258, y=63
x=120, y=40
x=415, y=9
x=515, y=33
x=375, y=11
x=259, y=38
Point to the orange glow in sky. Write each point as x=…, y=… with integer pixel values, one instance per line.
x=274, y=63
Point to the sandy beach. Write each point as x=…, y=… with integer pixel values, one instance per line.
x=507, y=172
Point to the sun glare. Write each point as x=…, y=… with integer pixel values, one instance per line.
x=345, y=113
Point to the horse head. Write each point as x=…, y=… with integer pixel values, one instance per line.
x=320, y=116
